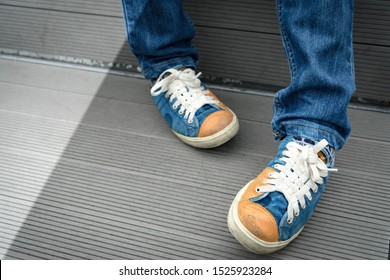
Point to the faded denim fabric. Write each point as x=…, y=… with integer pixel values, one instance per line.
x=317, y=37
x=177, y=122
x=276, y=203
x=160, y=35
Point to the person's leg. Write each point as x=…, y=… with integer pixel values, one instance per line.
x=310, y=117
x=317, y=36
x=160, y=35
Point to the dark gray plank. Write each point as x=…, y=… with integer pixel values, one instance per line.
x=371, y=20
x=65, y=29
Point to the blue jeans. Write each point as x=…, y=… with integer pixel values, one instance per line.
x=317, y=37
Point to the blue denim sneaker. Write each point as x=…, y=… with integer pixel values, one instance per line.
x=193, y=112
x=271, y=210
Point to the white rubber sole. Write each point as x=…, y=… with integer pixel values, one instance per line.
x=245, y=237
x=214, y=140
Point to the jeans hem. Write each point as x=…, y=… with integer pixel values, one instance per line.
x=314, y=132
x=176, y=63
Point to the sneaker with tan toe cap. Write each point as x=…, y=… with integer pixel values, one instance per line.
x=194, y=114
x=271, y=210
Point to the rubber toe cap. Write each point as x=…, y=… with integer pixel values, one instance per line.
x=215, y=123
x=258, y=221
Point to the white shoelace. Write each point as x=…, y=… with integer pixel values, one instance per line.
x=301, y=173
x=186, y=88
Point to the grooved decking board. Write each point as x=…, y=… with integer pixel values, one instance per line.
x=371, y=17
x=89, y=170
x=237, y=40
x=115, y=87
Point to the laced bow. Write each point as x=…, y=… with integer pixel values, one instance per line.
x=184, y=87
x=302, y=171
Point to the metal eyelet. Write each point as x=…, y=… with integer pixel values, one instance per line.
x=315, y=191
x=296, y=214
x=174, y=107
x=190, y=121
x=181, y=112
x=303, y=206
x=289, y=221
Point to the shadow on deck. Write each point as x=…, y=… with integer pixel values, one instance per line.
x=89, y=170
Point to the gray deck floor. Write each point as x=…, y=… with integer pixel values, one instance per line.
x=89, y=170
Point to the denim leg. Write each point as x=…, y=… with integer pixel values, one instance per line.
x=317, y=37
x=159, y=34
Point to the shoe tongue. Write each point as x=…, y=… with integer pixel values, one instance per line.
x=205, y=110
x=303, y=141
x=202, y=112
x=327, y=154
